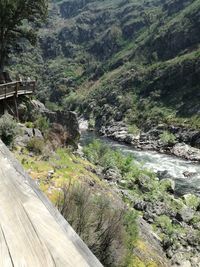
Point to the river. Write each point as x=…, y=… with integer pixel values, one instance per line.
x=157, y=162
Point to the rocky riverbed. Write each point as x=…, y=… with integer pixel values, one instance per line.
x=175, y=220
x=185, y=143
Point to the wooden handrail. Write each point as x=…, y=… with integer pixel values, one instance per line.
x=17, y=88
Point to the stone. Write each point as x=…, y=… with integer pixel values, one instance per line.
x=123, y=182
x=185, y=151
x=185, y=214
x=163, y=174
x=141, y=206
x=112, y=175
x=144, y=183
x=189, y=174
x=26, y=134
x=186, y=264
x=195, y=261
x=50, y=174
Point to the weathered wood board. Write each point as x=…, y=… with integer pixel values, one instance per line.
x=32, y=231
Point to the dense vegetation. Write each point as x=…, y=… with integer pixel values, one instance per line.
x=136, y=61
x=173, y=219
x=8, y=129
x=126, y=59
x=19, y=19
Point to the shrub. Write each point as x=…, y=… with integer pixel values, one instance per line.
x=35, y=145
x=107, y=230
x=192, y=201
x=165, y=224
x=42, y=123
x=133, y=129
x=167, y=137
x=8, y=129
x=29, y=124
x=99, y=153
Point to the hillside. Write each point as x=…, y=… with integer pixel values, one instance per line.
x=130, y=69
x=137, y=61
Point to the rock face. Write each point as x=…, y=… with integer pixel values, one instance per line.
x=26, y=134
x=185, y=214
x=69, y=121
x=66, y=121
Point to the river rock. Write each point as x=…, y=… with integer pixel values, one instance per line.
x=141, y=205
x=185, y=214
x=189, y=174
x=163, y=174
x=123, y=182
x=112, y=175
x=185, y=151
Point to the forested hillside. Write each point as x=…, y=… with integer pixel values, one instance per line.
x=131, y=60
x=130, y=69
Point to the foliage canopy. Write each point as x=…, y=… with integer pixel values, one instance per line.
x=19, y=19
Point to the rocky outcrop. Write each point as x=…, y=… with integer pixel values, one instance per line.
x=66, y=121
x=185, y=151
x=26, y=134
x=152, y=139
x=69, y=121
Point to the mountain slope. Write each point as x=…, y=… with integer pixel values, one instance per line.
x=97, y=54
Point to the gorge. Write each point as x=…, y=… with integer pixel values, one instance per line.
x=112, y=133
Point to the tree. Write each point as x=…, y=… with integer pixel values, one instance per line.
x=19, y=19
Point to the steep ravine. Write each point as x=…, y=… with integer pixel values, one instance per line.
x=171, y=218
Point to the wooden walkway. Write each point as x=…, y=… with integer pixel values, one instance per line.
x=32, y=231
x=16, y=88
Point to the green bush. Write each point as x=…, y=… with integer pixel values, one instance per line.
x=8, y=129
x=133, y=129
x=29, y=124
x=36, y=145
x=42, y=123
x=192, y=201
x=167, y=137
x=108, y=230
x=100, y=154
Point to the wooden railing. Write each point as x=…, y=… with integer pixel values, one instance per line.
x=16, y=88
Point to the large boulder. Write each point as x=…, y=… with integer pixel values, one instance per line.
x=69, y=121
x=26, y=134
x=185, y=151
x=186, y=214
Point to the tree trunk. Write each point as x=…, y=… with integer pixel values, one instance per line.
x=2, y=52
x=2, y=60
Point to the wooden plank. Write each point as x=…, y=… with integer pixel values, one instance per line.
x=33, y=233
x=5, y=259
